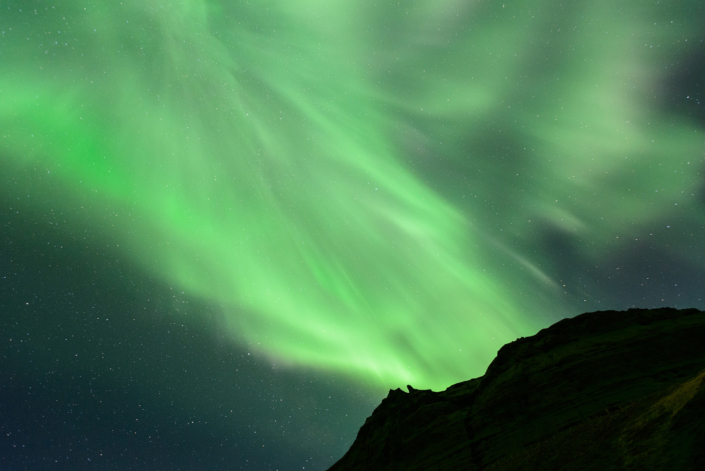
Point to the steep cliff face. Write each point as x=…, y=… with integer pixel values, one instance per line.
x=603, y=390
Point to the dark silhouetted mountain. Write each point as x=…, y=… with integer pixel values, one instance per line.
x=603, y=390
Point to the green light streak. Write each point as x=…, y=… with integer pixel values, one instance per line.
x=259, y=156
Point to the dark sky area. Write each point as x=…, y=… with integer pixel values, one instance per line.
x=228, y=228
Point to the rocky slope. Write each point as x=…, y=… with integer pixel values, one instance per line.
x=603, y=390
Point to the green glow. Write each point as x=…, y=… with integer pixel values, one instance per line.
x=261, y=156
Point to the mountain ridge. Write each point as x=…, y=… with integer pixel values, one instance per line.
x=574, y=372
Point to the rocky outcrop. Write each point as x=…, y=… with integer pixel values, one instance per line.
x=603, y=390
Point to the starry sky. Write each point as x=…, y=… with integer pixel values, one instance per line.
x=229, y=227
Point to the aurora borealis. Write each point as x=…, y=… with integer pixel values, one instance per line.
x=380, y=194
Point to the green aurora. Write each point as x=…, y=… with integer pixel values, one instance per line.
x=363, y=187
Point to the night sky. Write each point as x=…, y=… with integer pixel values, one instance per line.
x=227, y=228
